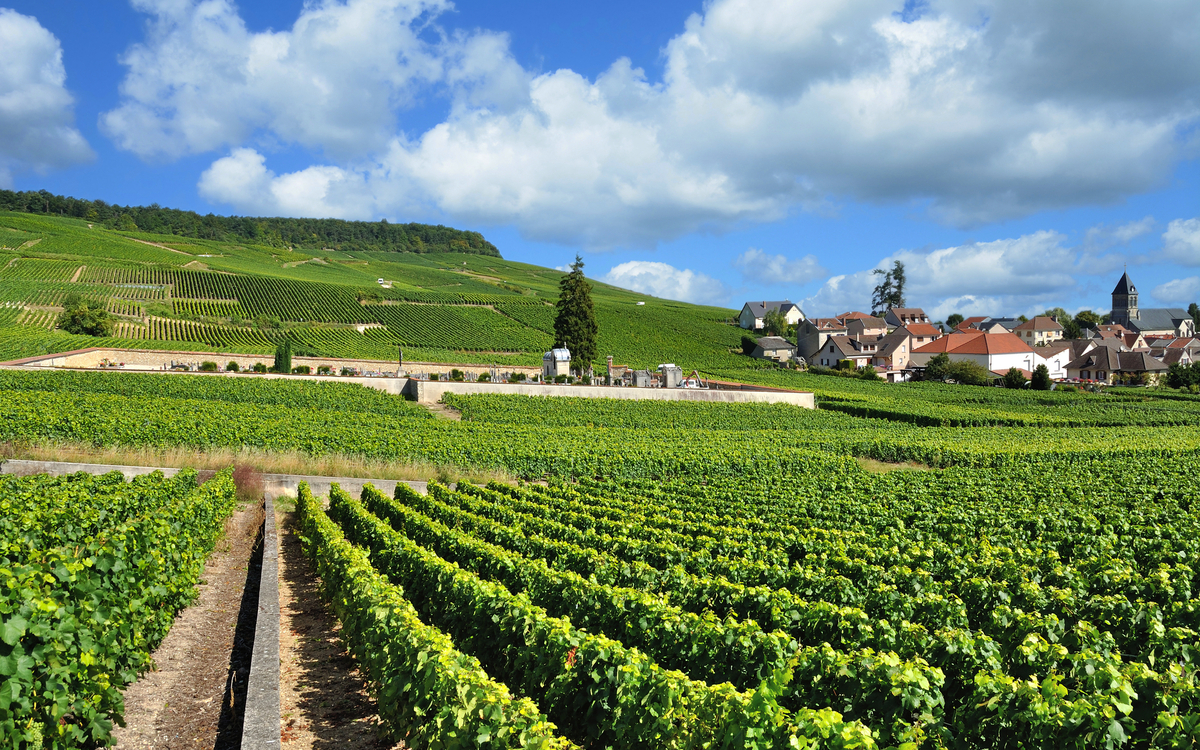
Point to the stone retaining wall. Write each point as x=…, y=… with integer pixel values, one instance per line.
x=429, y=392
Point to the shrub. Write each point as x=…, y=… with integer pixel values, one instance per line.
x=259, y=367
x=967, y=373
x=347, y=372
x=1182, y=376
x=208, y=367
x=324, y=370
x=517, y=377
x=560, y=378
x=484, y=377
x=1068, y=389
x=1014, y=378
x=302, y=370
x=456, y=375
x=868, y=373
x=433, y=376
x=1041, y=378
x=85, y=317
x=232, y=367
x=937, y=367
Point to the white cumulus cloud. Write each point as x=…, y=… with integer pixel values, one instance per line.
x=1178, y=291
x=335, y=81
x=242, y=179
x=1182, y=241
x=664, y=280
x=758, y=267
x=978, y=113
x=1007, y=276
x=37, y=120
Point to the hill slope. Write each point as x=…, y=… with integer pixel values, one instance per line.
x=171, y=292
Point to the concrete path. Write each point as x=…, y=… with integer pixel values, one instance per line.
x=274, y=485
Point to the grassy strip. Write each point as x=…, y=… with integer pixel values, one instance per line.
x=267, y=462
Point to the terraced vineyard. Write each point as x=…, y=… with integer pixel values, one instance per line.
x=203, y=295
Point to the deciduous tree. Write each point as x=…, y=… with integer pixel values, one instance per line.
x=85, y=317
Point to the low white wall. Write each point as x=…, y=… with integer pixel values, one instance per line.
x=157, y=360
x=428, y=392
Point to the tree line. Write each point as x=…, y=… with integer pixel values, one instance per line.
x=313, y=234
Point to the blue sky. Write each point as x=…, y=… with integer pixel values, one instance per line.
x=1014, y=155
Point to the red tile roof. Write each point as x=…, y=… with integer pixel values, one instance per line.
x=992, y=343
x=920, y=329
x=1039, y=323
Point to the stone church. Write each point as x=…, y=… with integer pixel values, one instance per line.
x=1151, y=321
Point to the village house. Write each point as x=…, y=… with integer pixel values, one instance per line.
x=902, y=316
x=774, y=347
x=1000, y=325
x=865, y=325
x=811, y=335
x=1056, y=356
x=969, y=324
x=920, y=333
x=993, y=351
x=1174, y=350
x=1107, y=365
x=843, y=348
x=752, y=314
x=1039, y=331
x=892, y=353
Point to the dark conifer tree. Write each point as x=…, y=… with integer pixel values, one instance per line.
x=575, y=323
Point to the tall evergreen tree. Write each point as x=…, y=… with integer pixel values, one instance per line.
x=575, y=324
x=889, y=292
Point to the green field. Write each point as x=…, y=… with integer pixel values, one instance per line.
x=722, y=575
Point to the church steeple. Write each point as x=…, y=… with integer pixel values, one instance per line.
x=1124, y=300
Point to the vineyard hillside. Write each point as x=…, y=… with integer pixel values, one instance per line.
x=189, y=294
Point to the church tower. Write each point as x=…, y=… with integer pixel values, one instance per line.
x=1124, y=301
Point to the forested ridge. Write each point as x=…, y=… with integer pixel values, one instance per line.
x=275, y=232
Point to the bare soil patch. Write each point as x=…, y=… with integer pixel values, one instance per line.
x=883, y=467
x=324, y=699
x=444, y=411
x=189, y=699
